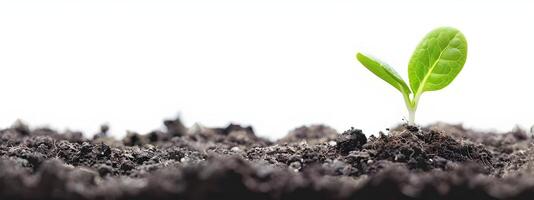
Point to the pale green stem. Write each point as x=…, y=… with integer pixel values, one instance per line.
x=415, y=103
x=411, y=111
x=411, y=105
x=411, y=119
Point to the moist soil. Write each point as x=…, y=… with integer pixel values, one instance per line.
x=440, y=161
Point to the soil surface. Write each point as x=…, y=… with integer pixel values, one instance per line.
x=440, y=161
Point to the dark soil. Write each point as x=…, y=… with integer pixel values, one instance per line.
x=312, y=162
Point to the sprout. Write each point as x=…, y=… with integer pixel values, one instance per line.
x=436, y=61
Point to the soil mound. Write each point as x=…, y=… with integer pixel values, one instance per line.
x=312, y=162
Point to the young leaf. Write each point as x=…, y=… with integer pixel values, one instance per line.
x=437, y=60
x=384, y=71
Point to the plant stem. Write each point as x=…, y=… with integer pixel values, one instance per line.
x=414, y=104
x=411, y=105
x=411, y=119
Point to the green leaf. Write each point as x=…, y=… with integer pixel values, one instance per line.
x=384, y=71
x=436, y=61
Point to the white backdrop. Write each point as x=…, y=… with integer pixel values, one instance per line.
x=272, y=64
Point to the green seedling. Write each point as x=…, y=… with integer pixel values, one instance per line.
x=436, y=61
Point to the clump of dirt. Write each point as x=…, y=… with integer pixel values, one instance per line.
x=352, y=139
x=440, y=161
x=427, y=149
x=315, y=134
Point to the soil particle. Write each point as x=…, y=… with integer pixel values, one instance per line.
x=315, y=134
x=20, y=128
x=103, y=169
x=104, y=151
x=133, y=138
x=413, y=129
x=104, y=128
x=175, y=128
x=235, y=128
x=352, y=139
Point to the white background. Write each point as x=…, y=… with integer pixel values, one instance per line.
x=272, y=64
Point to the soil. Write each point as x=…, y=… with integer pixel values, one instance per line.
x=440, y=161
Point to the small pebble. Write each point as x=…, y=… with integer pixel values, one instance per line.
x=235, y=149
x=332, y=143
x=104, y=169
x=185, y=159
x=296, y=166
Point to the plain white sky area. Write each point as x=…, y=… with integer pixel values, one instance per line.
x=275, y=65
